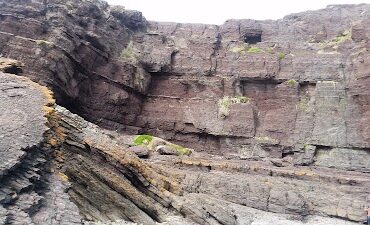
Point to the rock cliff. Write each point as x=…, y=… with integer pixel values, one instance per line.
x=273, y=117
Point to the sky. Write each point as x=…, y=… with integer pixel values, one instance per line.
x=218, y=11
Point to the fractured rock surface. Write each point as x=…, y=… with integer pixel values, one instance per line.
x=22, y=124
x=26, y=186
x=156, y=189
x=302, y=80
x=98, y=180
x=277, y=113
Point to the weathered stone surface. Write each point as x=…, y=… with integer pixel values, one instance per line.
x=167, y=150
x=29, y=194
x=189, y=184
x=166, y=78
x=343, y=158
x=98, y=179
x=22, y=124
x=82, y=51
x=294, y=139
x=10, y=66
x=141, y=151
x=306, y=79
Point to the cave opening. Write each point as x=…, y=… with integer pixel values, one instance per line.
x=253, y=38
x=63, y=99
x=13, y=70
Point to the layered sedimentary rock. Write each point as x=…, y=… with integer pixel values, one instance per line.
x=202, y=188
x=75, y=48
x=29, y=192
x=276, y=113
x=303, y=77
x=70, y=171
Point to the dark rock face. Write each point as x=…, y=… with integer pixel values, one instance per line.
x=276, y=112
x=76, y=48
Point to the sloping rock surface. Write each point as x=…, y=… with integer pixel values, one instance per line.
x=29, y=192
x=202, y=188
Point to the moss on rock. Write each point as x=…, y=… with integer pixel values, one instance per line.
x=152, y=142
x=226, y=102
x=143, y=139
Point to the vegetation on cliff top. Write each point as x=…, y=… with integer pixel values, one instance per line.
x=226, y=102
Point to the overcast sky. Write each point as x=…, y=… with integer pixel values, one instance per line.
x=217, y=11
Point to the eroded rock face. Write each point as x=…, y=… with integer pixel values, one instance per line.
x=202, y=188
x=304, y=78
x=78, y=173
x=77, y=49
x=276, y=113
x=29, y=192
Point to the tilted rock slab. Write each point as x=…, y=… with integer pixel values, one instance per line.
x=29, y=192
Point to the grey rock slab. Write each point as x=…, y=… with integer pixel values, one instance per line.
x=22, y=119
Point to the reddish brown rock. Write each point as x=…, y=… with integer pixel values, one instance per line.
x=298, y=143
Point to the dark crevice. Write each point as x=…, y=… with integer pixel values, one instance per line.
x=286, y=154
x=258, y=80
x=173, y=58
x=13, y=70
x=253, y=38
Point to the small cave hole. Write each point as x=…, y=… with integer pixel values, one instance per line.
x=13, y=70
x=253, y=38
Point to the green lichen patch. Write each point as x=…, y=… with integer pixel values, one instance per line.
x=254, y=49
x=346, y=35
x=143, y=139
x=245, y=48
x=152, y=142
x=241, y=49
x=291, y=83
x=334, y=43
x=281, y=55
x=226, y=102
x=265, y=139
x=182, y=150
x=44, y=43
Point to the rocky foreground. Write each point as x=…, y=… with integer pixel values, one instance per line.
x=257, y=122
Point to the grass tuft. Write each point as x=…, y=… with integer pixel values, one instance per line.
x=149, y=140
x=129, y=53
x=281, y=55
x=226, y=102
x=291, y=83
x=255, y=50
x=182, y=150
x=44, y=43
